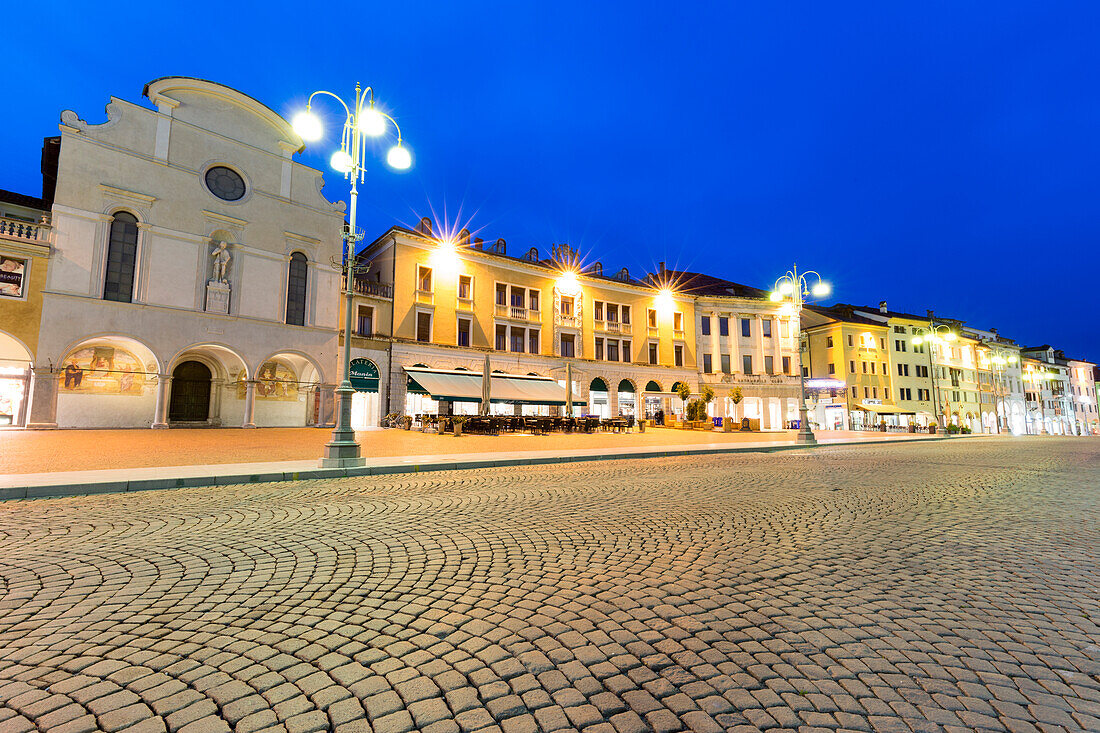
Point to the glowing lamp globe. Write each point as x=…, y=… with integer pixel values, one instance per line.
x=399, y=157
x=776, y=295
x=917, y=341
x=371, y=122
x=307, y=125
x=949, y=336
x=785, y=287
x=341, y=161
x=820, y=290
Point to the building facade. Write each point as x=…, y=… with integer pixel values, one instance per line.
x=190, y=279
x=1083, y=393
x=25, y=244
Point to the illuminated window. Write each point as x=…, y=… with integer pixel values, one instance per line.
x=296, y=290
x=424, y=278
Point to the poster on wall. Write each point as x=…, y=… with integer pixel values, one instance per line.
x=12, y=275
x=102, y=370
x=276, y=381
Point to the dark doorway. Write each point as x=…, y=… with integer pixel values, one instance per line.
x=190, y=401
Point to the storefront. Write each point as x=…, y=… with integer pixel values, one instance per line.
x=870, y=415
x=654, y=400
x=15, y=380
x=599, y=403
x=627, y=401
x=365, y=404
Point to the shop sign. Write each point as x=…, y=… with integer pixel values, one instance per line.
x=12, y=274
x=363, y=375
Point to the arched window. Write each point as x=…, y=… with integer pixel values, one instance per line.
x=118, y=282
x=296, y=290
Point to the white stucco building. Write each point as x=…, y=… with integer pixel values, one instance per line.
x=148, y=319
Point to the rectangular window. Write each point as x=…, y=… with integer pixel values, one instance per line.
x=725, y=363
x=612, y=350
x=707, y=364
x=872, y=367
x=850, y=342
x=567, y=345
x=901, y=372
x=832, y=368
x=866, y=393
x=864, y=367
x=626, y=314
x=678, y=355
x=424, y=327
x=612, y=313
x=598, y=353
x=766, y=326
x=769, y=365
x=424, y=278
x=723, y=326
x=829, y=342
x=704, y=325
x=852, y=366
x=597, y=310
x=677, y=321
x=784, y=329
x=922, y=371
x=882, y=342
x=652, y=353
x=746, y=363
x=651, y=316
x=805, y=371
x=502, y=294
x=746, y=327
x=874, y=392
x=364, y=325
x=626, y=351
x=533, y=341
x=899, y=329
x=533, y=299
x=502, y=338
x=465, y=287
x=519, y=297
x=567, y=306
x=854, y=392
x=463, y=331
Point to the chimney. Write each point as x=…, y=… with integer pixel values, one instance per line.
x=930, y=315
x=882, y=306
x=661, y=267
x=424, y=227
x=993, y=331
x=478, y=243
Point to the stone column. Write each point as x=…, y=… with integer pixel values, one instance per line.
x=249, y=404
x=735, y=343
x=42, y=414
x=765, y=413
x=613, y=400
x=160, y=409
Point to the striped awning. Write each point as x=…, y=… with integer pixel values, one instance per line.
x=458, y=386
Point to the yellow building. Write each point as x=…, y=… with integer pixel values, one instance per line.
x=430, y=305
x=25, y=237
x=850, y=348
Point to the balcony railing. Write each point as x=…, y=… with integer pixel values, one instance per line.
x=518, y=312
x=612, y=327
x=722, y=378
x=25, y=231
x=465, y=304
x=425, y=297
x=567, y=321
x=366, y=287
x=653, y=332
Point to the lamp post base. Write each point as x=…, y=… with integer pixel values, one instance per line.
x=343, y=451
x=806, y=437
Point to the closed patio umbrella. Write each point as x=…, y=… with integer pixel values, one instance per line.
x=485, y=377
x=568, y=390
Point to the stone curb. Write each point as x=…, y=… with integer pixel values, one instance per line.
x=111, y=487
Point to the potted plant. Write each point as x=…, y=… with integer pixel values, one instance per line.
x=952, y=429
x=408, y=422
x=707, y=393
x=457, y=421
x=736, y=395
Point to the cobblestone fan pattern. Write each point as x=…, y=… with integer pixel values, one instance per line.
x=950, y=586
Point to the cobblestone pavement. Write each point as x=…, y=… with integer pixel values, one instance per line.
x=930, y=586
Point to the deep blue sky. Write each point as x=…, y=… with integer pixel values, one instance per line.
x=939, y=155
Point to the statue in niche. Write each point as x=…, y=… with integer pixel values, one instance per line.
x=221, y=262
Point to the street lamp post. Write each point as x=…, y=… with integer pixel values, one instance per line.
x=934, y=335
x=795, y=286
x=361, y=121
